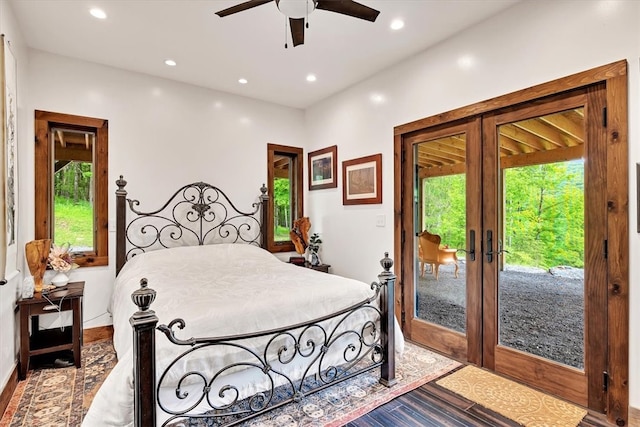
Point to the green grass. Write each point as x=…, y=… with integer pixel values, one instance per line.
x=73, y=223
x=281, y=234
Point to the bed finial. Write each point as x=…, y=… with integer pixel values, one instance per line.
x=263, y=190
x=121, y=183
x=386, y=262
x=143, y=298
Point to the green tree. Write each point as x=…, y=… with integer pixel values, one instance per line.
x=445, y=208
x=73, y=180
x=73, y=204
x=282, y=208
x=543, y=213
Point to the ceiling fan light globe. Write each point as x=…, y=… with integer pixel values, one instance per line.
x=296, y=8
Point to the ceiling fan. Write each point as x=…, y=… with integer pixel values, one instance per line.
x=298, y=11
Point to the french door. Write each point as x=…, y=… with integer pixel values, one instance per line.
x=519, y=196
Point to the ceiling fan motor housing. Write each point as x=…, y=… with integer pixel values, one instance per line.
x=296, y=8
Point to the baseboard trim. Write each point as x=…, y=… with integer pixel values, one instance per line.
x=97, y=334
x=8, y=390
x=634, y=417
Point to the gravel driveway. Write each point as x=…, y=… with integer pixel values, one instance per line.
x=540, y=312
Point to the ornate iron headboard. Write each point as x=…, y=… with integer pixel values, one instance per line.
x=196, y=214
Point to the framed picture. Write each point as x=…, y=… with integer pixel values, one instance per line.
x=323, y=168
x=9, y=107
x=362, y=180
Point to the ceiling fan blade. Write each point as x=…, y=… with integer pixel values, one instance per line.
x=350, y=8
x=240, y=7
x=297, y=30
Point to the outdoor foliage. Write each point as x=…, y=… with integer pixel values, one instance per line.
x=544, y=213
x=445, y=208
x=73, y=206
x=282, y=208
x=73, y=181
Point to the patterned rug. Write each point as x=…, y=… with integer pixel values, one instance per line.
x=344, y=402
x=513, y=400
x=61, y=397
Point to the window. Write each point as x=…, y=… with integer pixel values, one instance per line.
x=284, y=175
x=71, y=172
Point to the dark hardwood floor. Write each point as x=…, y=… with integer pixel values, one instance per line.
x=434, y=406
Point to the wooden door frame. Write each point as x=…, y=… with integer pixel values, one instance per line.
x=614, y=77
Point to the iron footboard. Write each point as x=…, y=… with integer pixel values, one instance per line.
x=324, y=351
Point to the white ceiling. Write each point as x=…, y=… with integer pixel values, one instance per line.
x=214, y=52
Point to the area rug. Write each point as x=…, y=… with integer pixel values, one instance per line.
x=522, y=404
x=60, y=396
x=349, y=400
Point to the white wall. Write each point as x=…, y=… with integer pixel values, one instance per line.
x=528, y=44
x=10, y=291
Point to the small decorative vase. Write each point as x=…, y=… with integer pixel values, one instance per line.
x=315, y=260
x=60, y=279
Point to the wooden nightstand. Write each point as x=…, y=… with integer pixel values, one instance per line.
x=66, y=298
x=321, y=267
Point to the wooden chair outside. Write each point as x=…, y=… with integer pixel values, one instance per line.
x=430, y=252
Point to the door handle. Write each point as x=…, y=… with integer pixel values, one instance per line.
x=500, y=250
x=489, y=253
x=472, y=246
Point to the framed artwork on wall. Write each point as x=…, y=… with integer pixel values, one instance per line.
x=3, y=180
x=9, y=159
x=362, y=180
x=323, y=168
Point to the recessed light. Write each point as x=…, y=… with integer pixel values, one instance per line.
x=311, y=78
x=243, y=81
x=170, y=62
x=98, y=13
x=377, y=98
x=397, y=24
x=466, y=61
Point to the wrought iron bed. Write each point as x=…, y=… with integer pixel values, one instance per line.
x=204, y=214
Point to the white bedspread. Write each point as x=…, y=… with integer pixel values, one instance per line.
x=219, y=290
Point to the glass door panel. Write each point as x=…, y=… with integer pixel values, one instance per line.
x=540, y=250
x=440, y=211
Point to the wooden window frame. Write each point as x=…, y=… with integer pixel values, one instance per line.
x=296, y=188
x=44, y=122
